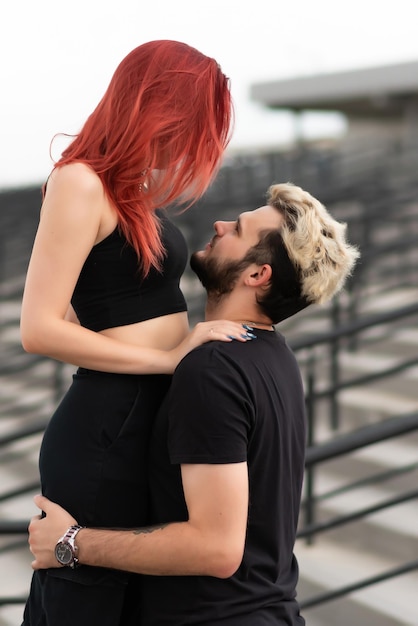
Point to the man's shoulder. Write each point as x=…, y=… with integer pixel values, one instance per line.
x=204, y=355
x=233, y=354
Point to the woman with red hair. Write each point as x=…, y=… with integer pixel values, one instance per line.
x=102, y=293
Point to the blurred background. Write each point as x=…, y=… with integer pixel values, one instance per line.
x=326, y=96
x=56, y=61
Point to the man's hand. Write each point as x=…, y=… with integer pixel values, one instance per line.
x=44, y=532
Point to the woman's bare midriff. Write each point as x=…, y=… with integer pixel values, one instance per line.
x=162, y=333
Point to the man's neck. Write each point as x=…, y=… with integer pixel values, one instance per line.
x=229, y=310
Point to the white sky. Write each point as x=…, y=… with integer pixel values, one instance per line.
x=57, y=59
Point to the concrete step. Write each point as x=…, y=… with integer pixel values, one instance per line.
x=391, y=455
x=366, y=405
x=19, y=466
x=373, y=401
x=379, y=361
x=401, y=341
x=15, y=581
x=359, y=407
x=327, y=566
x=15, y=558
x=11, y=615
x=392, y=531
x=377, y=301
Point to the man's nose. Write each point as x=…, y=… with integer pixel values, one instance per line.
x=221, y=227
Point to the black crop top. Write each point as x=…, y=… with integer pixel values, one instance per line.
x=110, y=290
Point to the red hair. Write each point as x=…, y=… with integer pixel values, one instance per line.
x=168, y=107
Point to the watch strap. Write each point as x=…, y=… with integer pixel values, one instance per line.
x=69, y=536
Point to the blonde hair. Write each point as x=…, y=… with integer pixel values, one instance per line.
x=315, y=242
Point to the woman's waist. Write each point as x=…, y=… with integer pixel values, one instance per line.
x=162, y=333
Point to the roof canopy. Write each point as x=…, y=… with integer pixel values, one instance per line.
x=381, y=91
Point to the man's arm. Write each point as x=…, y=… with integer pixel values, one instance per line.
x=210, y=543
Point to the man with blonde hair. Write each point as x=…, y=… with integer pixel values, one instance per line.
x=227, y=451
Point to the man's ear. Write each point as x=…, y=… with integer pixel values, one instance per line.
x=258, y=275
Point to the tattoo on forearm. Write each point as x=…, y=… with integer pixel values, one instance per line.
x=148, y=529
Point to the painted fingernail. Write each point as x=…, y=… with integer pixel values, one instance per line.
x=231, y=337
x=251, y=336
x=247, y=327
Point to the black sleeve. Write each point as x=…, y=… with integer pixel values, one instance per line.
x=211, y=412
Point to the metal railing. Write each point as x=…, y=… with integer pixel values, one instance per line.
x=342, y=445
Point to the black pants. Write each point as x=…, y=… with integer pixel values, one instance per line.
x=93, y=462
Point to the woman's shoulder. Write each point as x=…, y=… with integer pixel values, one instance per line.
x=78, y=176
x=75, y=190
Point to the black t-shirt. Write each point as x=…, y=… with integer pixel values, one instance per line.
x=229, y=403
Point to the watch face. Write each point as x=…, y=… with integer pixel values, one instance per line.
x=64, y=553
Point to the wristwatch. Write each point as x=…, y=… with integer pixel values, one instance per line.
x=66, y=550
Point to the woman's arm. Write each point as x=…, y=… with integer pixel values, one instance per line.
x=72, y=221
x=71, y=316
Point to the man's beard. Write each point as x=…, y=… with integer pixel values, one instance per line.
x=218, y=278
